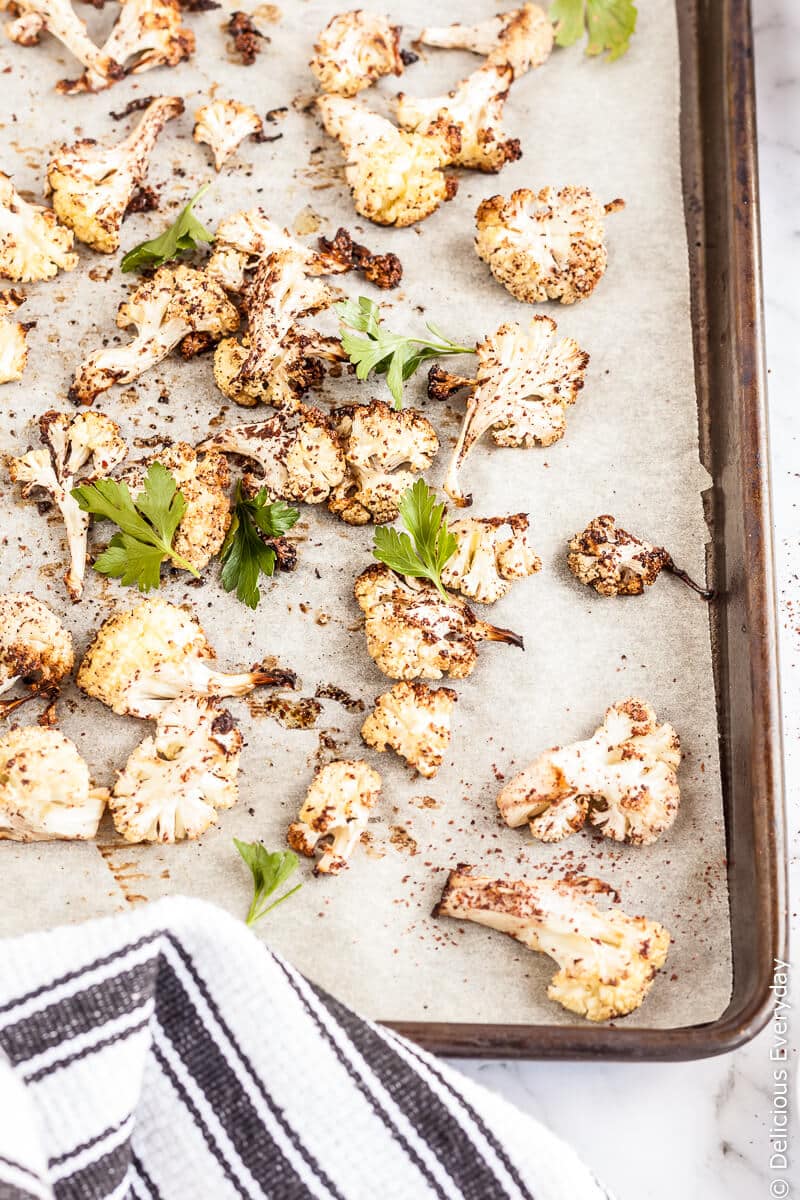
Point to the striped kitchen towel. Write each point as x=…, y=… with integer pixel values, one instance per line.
x=167, y=1053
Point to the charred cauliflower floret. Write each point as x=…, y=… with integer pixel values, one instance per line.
x=395, y=176
x=92, y=185
x=546, y=245
x=354, y=50
x=59, y=19
x=415, y=721
x=223, y=125
x=13, y=338
x=35, y=649
x=203, y=482
x=70, y=444
x=607, y=960
x=385, y=451
x=175, y=782
x=175, y=302
x=147, y=34
x=335, y=811
x=298, y=453
x=475, y=109
x=524, y=384
x=343, y=254
x=521, y=39
x=615, y=563
x=624, y=779
x=45, y=789
x=143, y=658
x=412, y=633
x=33, y=245
x=491, y=553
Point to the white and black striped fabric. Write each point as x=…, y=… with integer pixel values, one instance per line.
x=166, y=1053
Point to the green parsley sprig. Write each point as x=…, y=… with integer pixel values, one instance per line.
x=610, y=24
x=147, y=526
x=187, y=233
x=391, y=354
x=245, y=555
x=431, y=545
x=270, y=870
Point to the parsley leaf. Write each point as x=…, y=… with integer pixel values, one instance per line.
x=245, y=555
x=390, y=354
x=147, y=526
x=186, y=234
x=431, y=545
x=269, y=871
x=610, y=24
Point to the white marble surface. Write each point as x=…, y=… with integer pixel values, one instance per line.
x=658, y=1132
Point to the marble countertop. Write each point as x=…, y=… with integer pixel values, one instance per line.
x=660, y=1131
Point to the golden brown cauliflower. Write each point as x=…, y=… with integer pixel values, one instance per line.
x=147, y=34
x=415, y=721
x=521, y=39
x=354, y=49
x=624, y=779
x=32, y=18
x=546, y=245
x=335, y=811
x=491, y=553
x=35, y=649
x=175, y=782
x=523, y=387
x=385, y=451
x=412, y=633
x=145, y=657
x=223, y=125
x=13, y=338
x=45, y=789
x=607, y=960
x=395, y=176
x=615, y=563
x=33, y=245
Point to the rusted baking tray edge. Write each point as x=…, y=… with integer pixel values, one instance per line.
x=718, y=138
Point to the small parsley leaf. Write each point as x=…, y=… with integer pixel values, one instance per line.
x=147, y=526
x=270, y=871
x=610, y=24
x=390, y=354
x=245, y=555
x=431, y=545
x=187, y=233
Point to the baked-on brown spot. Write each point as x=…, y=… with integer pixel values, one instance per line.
x=247, y=40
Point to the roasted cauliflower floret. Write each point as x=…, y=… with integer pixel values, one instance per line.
x=13, y=338
x=491, y=553
x=143, y=658
x=412, y=633
x=615, y=563
x=298, y=453
x=33, y=245
x=175, y=302
x=59, y=19
x=475, y=109
x=295, y=366
x=70, y=444
x=223, y=125
x=521, y=39
x=415, y=721
x=203, y=482
x=385, y=451
x=354, y=50
x=395, y=176
x=45, y=789
x=384, y=270
x=35, y=649
x=523, y=387
x=607, y=960
x=147, y=34
x=335, y=811
x=92, y=185
x=175, y=782
x=624, y=779
x=546, y=245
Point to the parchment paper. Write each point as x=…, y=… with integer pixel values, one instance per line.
x=631, y=449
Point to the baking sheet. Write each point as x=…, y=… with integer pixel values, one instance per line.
x=631, y=448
